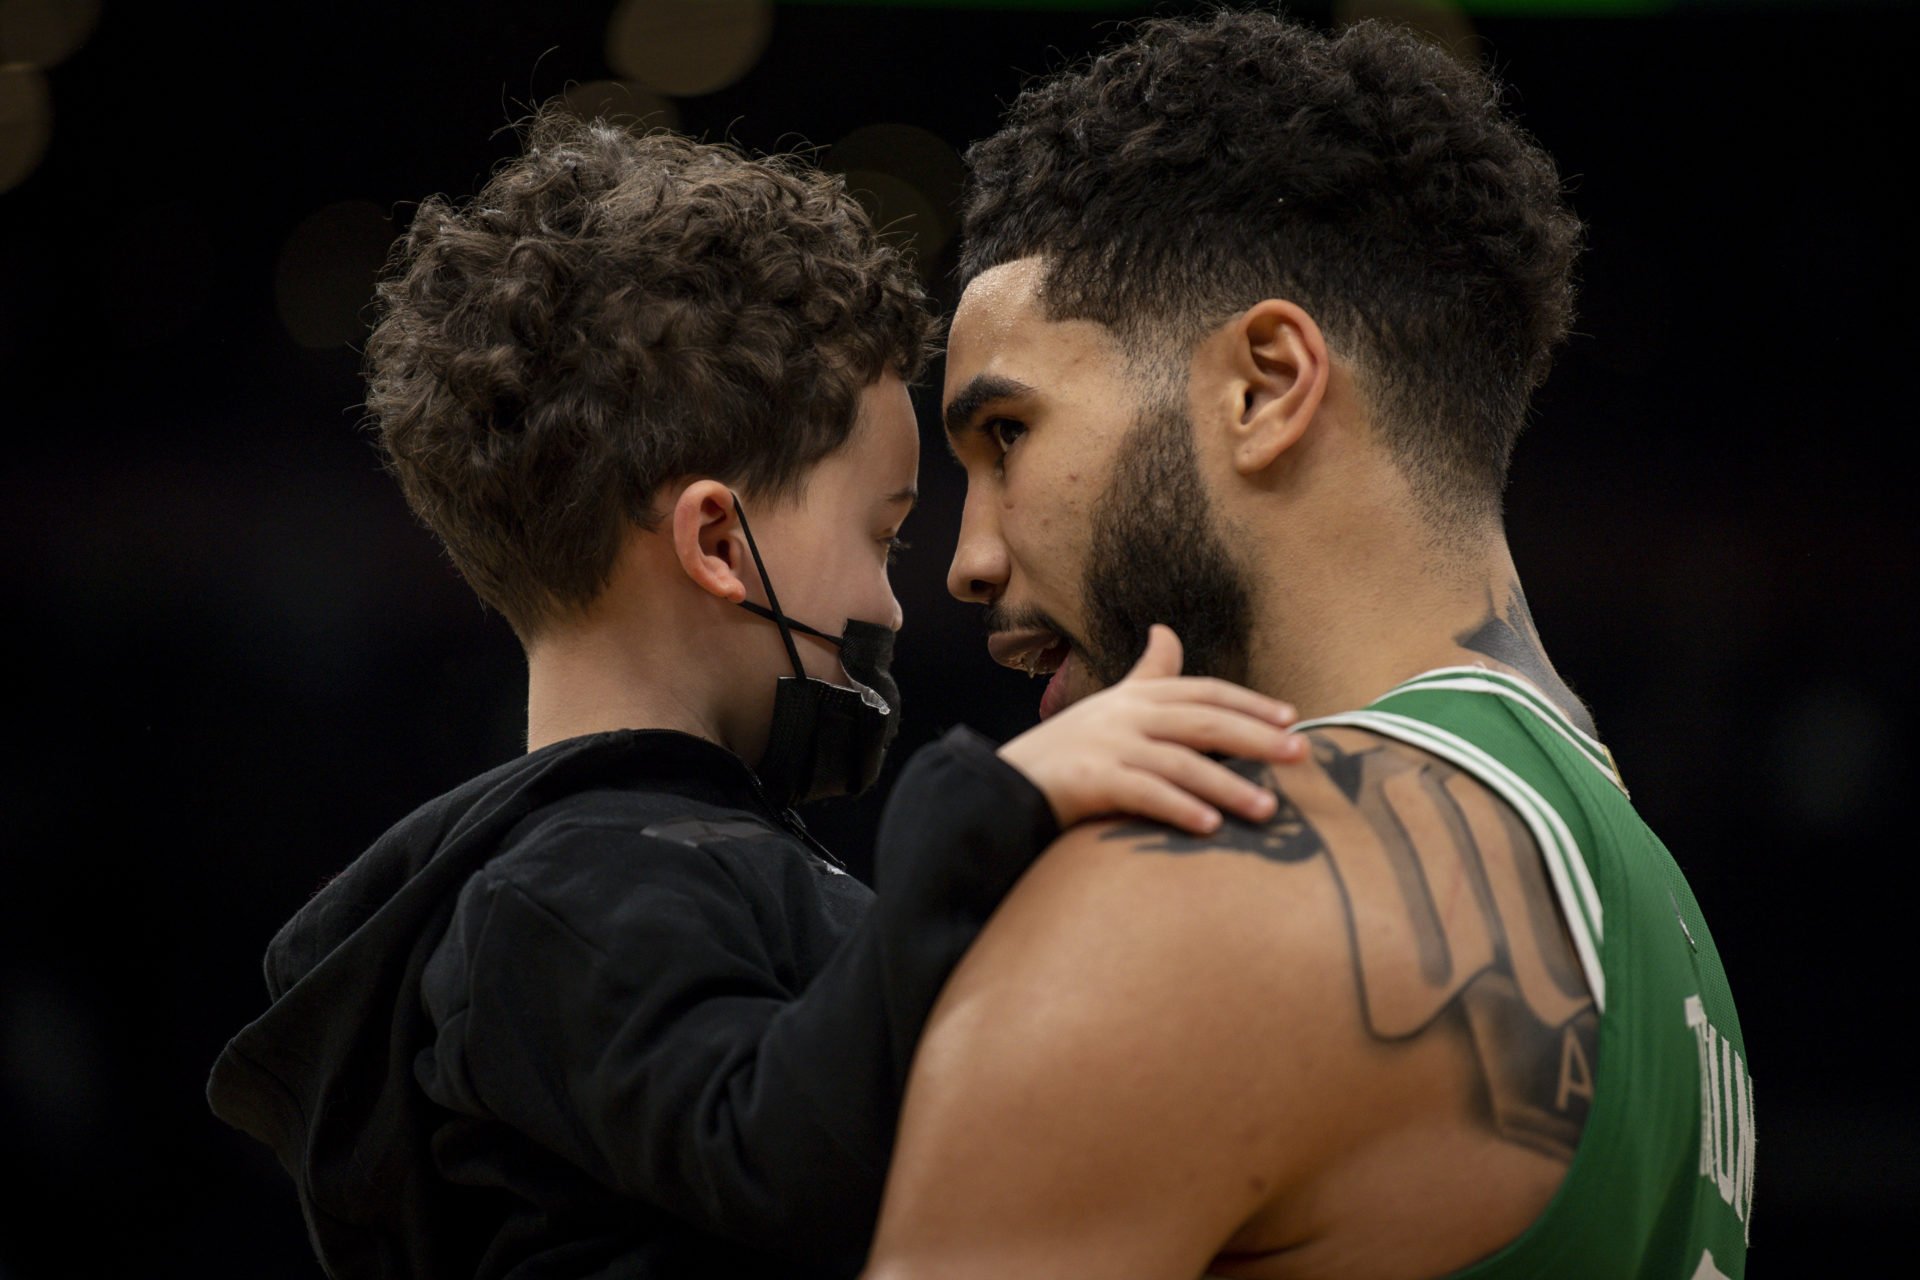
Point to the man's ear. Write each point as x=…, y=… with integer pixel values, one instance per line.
x=707, y=539
x=1279, y=358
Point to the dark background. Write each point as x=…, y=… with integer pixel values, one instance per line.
x=236, y=659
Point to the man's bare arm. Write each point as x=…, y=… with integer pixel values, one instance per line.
x=1148, y=1061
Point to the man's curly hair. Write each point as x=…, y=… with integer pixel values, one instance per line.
x=1209, y=163
x=612, y=312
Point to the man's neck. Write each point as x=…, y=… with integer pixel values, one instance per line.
x=1506, y=634
x=1339, y=641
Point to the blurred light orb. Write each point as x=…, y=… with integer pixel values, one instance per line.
x=1440, y=22
x=45, y=32
x=900, y=212
x=908, y=180
x=687, y=47
x=323, y=281
x=26, y=122
x=623, y=102
x=914, y=155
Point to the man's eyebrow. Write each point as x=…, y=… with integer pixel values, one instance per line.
x=983, y=390
x=908, y=495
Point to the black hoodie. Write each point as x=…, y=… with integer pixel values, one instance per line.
x=605, y=1011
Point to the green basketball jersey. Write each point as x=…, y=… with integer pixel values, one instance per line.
x=1662, y=1180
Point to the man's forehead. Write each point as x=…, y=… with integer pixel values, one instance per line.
x=1006, y=292
x=1001, y=329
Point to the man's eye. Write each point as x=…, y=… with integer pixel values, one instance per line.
x=894, y=547
x=1004, y=431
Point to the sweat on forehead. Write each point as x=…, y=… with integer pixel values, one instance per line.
x=1005, y=343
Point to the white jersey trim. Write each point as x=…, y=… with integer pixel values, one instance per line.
x=1566, y=867
x=1515, y=689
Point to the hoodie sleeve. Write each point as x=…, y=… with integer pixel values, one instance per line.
x=636, y=1020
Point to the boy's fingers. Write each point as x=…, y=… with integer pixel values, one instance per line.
x=1204, y=779
x=1151, y=796
x=1224, y=693
x=1163, y=655
x=1206, y=728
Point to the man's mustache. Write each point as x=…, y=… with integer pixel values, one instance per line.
x=999, y=617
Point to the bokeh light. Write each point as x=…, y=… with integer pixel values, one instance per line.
x=26, y=122
x=900, y=211
x=622, y=102
x=44, y=33
x=687, y=47
x=908, y=180
x=326, y=272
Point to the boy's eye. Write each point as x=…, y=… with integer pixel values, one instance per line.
x=1004, y=431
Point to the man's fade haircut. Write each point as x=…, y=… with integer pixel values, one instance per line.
x=610, y=313
x=1209, y=163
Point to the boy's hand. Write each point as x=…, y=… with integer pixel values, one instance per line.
x=1138, y=747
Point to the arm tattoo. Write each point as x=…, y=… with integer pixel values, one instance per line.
x=1492, y=960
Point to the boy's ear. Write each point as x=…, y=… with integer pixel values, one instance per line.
x=1280, y=357
x=707, y=539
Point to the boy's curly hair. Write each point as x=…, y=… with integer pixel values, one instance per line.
x=612, y=312
x=1206, y=164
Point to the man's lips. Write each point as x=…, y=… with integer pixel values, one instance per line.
x=1038, y=653
x=1033, y=651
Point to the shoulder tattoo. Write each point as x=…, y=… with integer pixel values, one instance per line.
x=1477, y=945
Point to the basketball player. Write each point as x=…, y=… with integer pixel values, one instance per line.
x=1251, y=320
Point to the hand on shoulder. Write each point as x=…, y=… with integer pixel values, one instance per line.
x=1140, y=747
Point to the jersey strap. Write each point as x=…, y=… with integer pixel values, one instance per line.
x=1524, y=694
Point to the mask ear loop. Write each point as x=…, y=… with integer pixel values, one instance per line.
x=838, y=642
x=779, y=618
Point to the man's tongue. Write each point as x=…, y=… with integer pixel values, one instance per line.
x=1055, y=695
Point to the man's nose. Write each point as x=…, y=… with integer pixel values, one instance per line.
x=978, y=573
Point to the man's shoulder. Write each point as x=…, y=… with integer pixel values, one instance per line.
x=1336, y=1006
x=1189, y=1009
x=1385, y=884
x=1353, y=827
x=1142, y=916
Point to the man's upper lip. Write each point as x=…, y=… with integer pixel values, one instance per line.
x=1025, y=650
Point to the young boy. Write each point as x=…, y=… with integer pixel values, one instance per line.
x=608, y=1010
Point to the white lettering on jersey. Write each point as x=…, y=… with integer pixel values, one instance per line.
x=1726, y=1118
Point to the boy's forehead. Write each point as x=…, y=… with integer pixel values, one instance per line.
x=886, y=433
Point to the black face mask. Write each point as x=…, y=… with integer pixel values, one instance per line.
x=826, y=739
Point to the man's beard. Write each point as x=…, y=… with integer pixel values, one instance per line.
x=1155, y=556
